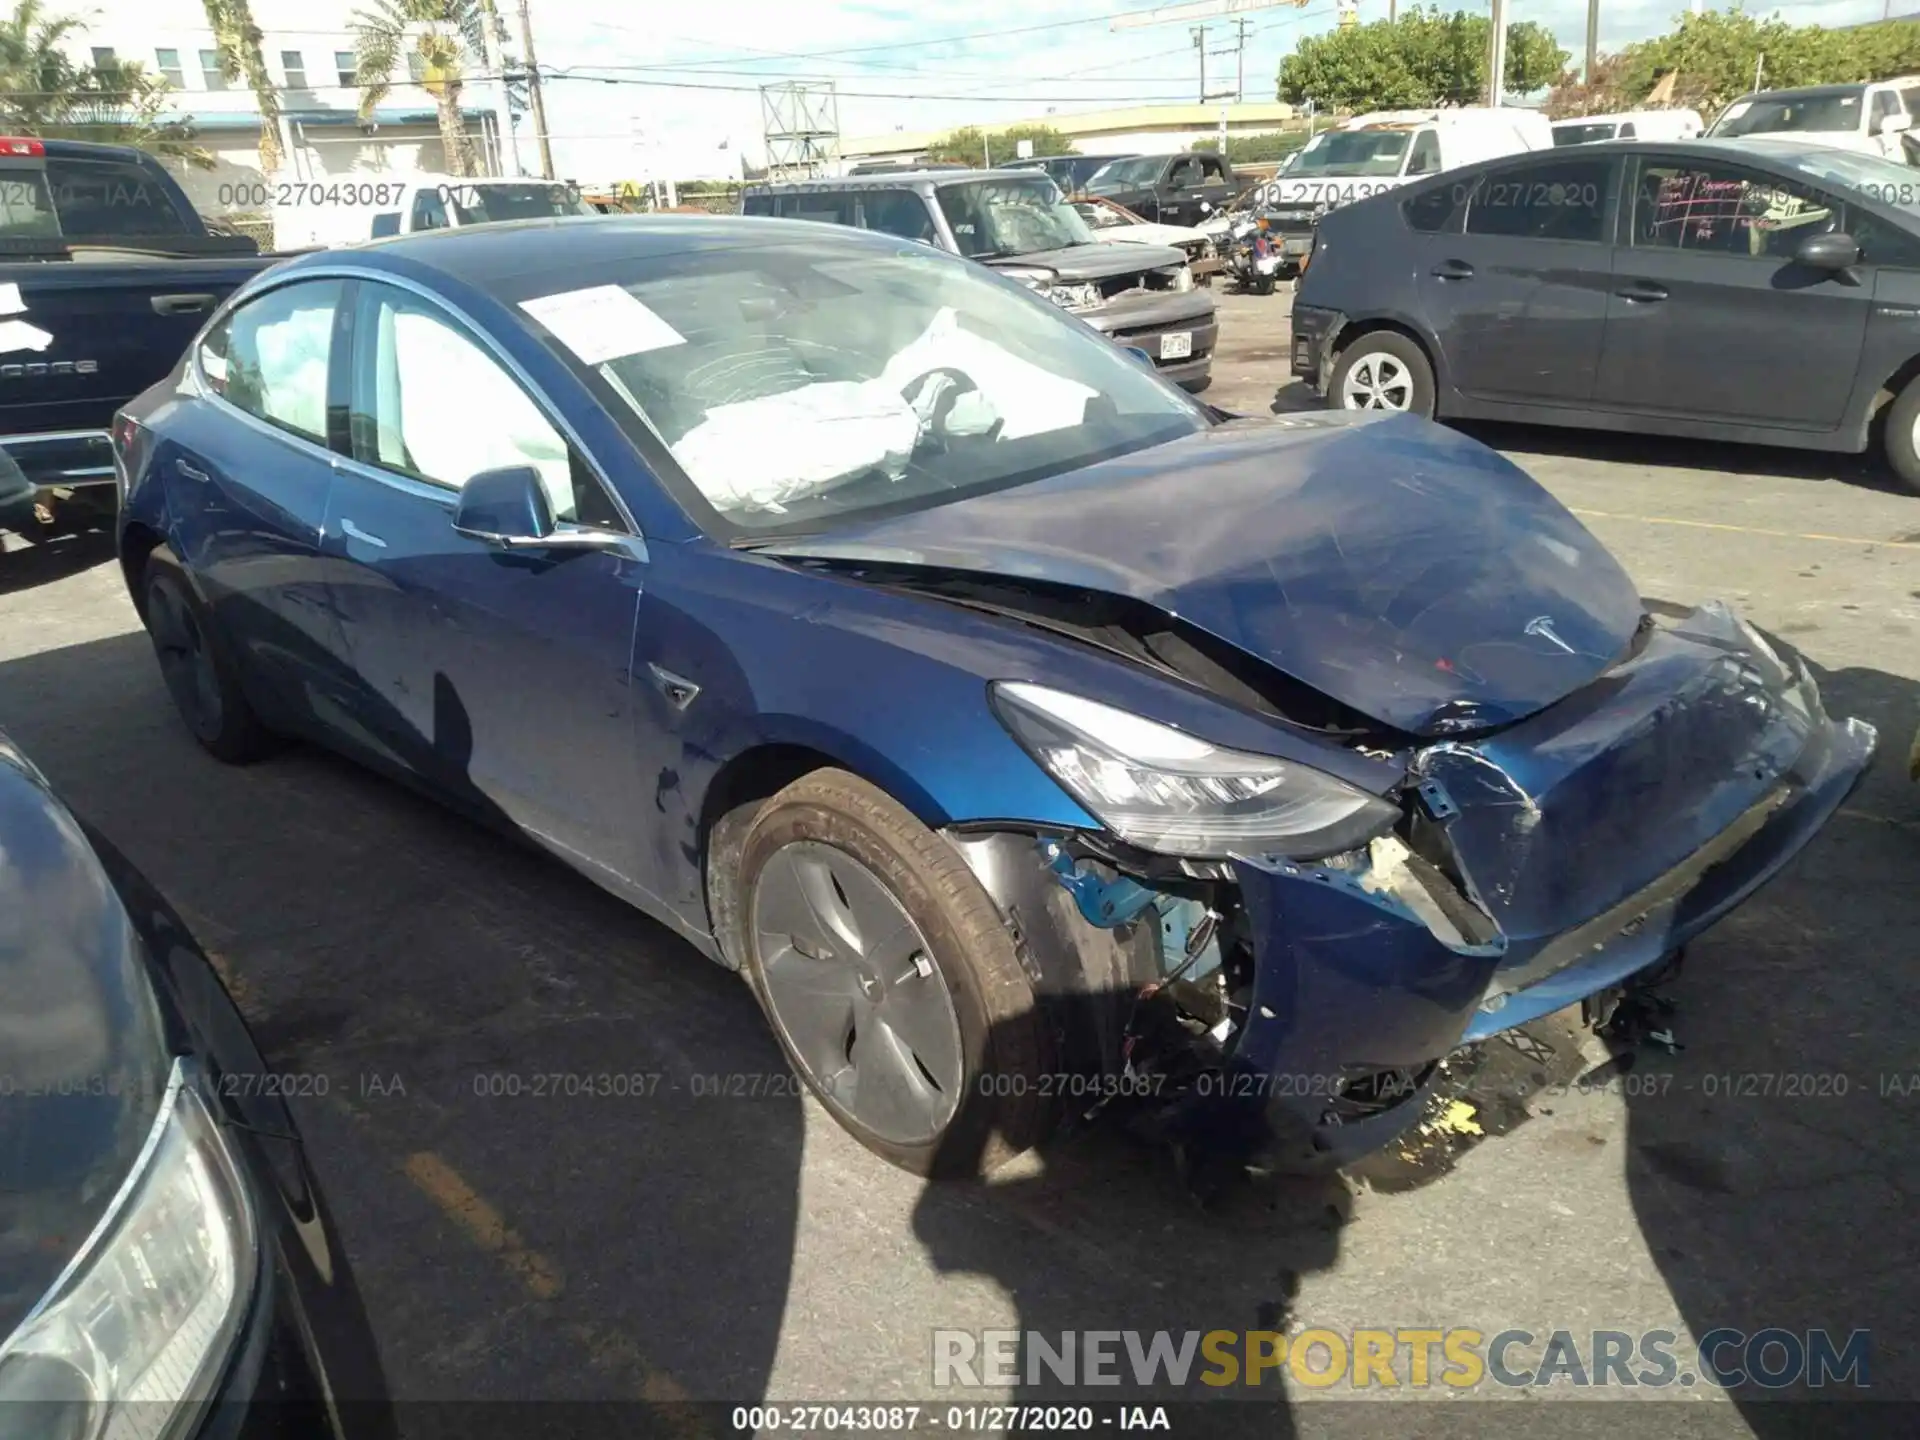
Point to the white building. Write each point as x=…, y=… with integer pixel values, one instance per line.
x=308, y=48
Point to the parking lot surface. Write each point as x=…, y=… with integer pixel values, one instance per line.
x=567, y=1160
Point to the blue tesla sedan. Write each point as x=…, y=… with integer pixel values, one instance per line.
x=1027, y=733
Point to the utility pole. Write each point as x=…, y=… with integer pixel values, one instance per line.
x=1393, y=12
x=1200, y=44
x=1240, y=61
x=490, y=33
x=539, y=105
x=1496, y=55
x=1593, y=41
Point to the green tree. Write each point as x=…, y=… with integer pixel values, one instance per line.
x=1422, y=58
x=1716, y=54
x=237, y=38
x=974, y=146
x=443, y=33
x=1262, y=149
x=43, y=93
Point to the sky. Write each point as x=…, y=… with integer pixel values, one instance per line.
x=901, y=67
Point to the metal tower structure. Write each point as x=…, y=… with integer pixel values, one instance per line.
x=802, y=127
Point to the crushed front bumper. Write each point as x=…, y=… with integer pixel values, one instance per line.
x=1549, y=861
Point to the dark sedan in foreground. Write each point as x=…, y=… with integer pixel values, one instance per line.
x=1001, y=712
x=1758, y=290
x=167, y=1267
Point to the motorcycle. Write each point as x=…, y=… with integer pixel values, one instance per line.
x=1255, y=261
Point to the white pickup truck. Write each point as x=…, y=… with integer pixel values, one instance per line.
x=375, y=207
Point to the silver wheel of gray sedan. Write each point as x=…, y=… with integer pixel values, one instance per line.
x=1377, y=381
x=852, y=988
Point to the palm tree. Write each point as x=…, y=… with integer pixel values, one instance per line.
x=44, y=93
x=237, y=37
x=443, y=33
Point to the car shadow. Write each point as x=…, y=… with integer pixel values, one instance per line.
x=1663, y=452
x=1771, y=1161
x=53, y=558
x=562, y=1149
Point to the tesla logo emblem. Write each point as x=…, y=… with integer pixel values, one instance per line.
x=1542, y=625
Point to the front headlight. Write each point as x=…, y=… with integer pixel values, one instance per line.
x=1184, y=279
x=1163, y=790
x=1075, y=297
x=139, y=1325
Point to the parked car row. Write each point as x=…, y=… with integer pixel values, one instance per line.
x=1756, y=289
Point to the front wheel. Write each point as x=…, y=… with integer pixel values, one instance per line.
x=1383, y=371
x=890, y=979
x=1903, y=436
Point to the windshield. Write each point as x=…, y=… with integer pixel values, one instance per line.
x=1354, y=152
x=895, y=380
x=996, y=218
x=1884, y=180
x=477, y=204
x=1584, y=134
x=1792, y=114
x=1126, y=174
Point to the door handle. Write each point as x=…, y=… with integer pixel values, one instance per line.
x=1643, y=292
x=354, y=532
x=192, y=472
x=182, y=304
x=1453, y=270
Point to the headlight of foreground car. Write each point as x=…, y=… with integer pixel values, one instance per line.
x=1183, y=281
x=1167, y=791
x=139, y=1326
x=1075, y=297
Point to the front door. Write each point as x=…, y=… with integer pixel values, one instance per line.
x=500, y=679
x=1709, y=314
x=1518, y=300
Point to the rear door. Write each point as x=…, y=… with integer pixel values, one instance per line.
x=247, y=466
x=1517, y=295
x=500, y=679
x=1709, y=316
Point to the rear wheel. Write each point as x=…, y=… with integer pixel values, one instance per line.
x=889, y=978
x=196, y=667
x=1383, y=370
x=1903, y=436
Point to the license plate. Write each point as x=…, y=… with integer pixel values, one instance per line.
x=1176, y=347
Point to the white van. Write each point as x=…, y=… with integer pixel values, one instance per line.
x=1868, y=116
x=1629, y=125
x=1381, y=151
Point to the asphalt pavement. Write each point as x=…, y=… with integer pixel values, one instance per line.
x=568, y=1162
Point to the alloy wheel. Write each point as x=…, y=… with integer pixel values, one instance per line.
x=851, y=986
x=1377, y=381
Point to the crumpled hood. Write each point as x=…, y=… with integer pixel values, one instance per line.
x=1402, y=569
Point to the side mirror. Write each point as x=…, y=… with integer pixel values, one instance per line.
x=1834, y=252
x=505, y=507
x=386, y=223
x=1146, y=360
x=1894, y=124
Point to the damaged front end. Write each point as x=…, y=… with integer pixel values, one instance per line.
x=1292, y=1011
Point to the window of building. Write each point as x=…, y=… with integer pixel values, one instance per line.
x=168, y=62
x=210, y=70
x=416, y=66
x=345, y=66
x=295, y=64
x=103, y=57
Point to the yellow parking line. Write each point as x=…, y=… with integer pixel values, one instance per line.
x=1746, y=529
x=442, y=1184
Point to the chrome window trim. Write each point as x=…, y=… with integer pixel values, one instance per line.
x=469, y=326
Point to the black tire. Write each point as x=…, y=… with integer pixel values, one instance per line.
x=1003, y=1045
x=197, y=666
x=1411, y=359
x=1900, y=440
